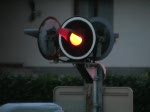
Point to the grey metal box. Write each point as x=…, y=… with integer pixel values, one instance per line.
x=73, y=99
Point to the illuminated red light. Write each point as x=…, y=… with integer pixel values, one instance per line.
x=75, y=39
x=64, y=33
x=68, y=36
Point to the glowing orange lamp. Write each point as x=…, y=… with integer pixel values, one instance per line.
x=69, y=36
x=75, y=39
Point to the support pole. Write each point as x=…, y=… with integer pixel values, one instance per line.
x=96, y=72
x=100, y=75
x=95, y=92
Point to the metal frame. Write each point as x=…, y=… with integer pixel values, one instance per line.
x=95, y=78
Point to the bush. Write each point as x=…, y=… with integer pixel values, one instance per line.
x=140, y=86
x=30, y=88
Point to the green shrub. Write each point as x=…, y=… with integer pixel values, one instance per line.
x=31, y=88
x=140, y=86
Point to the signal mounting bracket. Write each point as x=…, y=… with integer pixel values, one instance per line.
x=93, y=73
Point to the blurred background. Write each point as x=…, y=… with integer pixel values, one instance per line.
x=129, y=18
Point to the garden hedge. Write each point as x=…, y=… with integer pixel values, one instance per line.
x=39, y=88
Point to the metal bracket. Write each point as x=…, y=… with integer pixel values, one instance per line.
x=93, y=74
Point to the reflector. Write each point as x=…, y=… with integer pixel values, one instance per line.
x=47, y=38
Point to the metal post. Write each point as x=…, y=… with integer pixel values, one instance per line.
x=95, y=92
x=100, y=75
x=97, y=77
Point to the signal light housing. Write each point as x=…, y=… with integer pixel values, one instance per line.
x=77, y=38
x=82, y=28
x=105, y=37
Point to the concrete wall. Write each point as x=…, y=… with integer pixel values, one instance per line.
x=131, y=21
x=15, y=46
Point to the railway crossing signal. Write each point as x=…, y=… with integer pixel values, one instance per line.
x=78, y=39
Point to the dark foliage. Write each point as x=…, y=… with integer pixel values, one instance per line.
x=140, y=86
x=30, y=88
